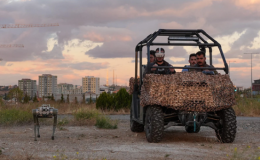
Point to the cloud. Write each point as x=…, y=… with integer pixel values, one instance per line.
x=118, y=26
x=2, y=63
x=85, y=65
x=53, y=72
x=55, y=53
x=9, y=64
x=110, y=50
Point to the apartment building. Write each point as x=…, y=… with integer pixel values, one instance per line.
x=47, y=85
x=76, y=90
x=28, y=87
x=90, y=84
x=64, y=88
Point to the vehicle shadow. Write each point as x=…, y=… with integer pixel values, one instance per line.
x=180, y=135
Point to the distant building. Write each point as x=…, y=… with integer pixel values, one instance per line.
x=64, y=88
x=47, y=85
x=77, y=86
x=28, y=87
x=256, y=87
x=239, y=88
x=90, y=84
x=77, y=90
x=103, y=89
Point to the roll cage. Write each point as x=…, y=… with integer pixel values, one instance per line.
x=177, y=35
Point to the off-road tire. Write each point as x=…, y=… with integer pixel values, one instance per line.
x=228, y=126
x=190, y=129
x=154, y=124
x=135, y=126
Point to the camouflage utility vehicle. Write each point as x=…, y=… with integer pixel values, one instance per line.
x=190, y=99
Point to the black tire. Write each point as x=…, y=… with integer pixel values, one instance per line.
x=228, y=126
x=135, y=126
x=190, y=129
x=154, y=124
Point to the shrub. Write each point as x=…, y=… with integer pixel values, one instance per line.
x=84, y=114
x=101, y=102
x=106, y=123
x=15, y=116
x=122, y=99
x=247, y=106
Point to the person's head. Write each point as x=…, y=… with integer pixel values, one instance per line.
x=159, y=54
x=193, y=59
x=201, y=58
x=152, y=56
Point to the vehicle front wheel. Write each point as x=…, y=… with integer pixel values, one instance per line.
x=154, y=124
x=228, y=125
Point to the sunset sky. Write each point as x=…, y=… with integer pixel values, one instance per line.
x=96, y=36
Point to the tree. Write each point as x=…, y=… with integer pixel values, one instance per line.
x=122, y=99
x=83, y=98
x=110, y=101
x=76, y=100
x=101, y=102
x=15, y=93
x=5, y=97
x=35, y=98
x=68, y=98
x=90, y=100
x=52, y=97
x=61, y=99
x=26, y=99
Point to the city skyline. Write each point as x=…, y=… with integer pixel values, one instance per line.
x=93, y=40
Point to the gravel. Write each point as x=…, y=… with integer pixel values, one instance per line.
x=88, y=142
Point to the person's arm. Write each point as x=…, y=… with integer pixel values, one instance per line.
x=184, y=69
x=171, y=69
x=146, y=69
x=214, y=70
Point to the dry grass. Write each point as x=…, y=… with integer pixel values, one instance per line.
x=244, y=107
x=247, y=107
x=63, y=108
x=84, y=114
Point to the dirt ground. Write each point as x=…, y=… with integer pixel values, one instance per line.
x=88, y=142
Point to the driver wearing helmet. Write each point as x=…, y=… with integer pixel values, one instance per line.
x=159, y=54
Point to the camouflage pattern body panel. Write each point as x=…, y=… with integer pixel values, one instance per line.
x=188, y=91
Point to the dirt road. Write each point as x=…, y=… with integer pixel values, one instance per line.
x=78, y=142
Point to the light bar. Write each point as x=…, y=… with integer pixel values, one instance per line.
x=183, y=38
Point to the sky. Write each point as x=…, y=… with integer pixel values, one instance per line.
x=96, y=37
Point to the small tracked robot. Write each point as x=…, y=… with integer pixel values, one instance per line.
x=45, y=111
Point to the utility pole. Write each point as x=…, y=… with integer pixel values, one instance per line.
x=251, y=73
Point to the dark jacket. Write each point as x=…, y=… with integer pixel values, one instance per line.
x=160, y=70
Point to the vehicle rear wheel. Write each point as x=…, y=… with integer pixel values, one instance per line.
x=154, y=124
x=228, y=125
x=135, y=126
x=190, y=129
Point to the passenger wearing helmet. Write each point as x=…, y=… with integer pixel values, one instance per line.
x=159, y=54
